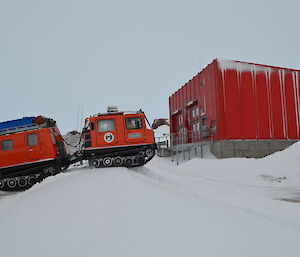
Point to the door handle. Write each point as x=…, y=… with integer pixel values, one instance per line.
x=30, y=150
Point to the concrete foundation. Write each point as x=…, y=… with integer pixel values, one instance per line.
x=248, y=148
x=163, y=152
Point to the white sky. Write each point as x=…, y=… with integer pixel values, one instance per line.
x=58, y=55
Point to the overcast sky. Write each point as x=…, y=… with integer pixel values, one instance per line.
x=60, y=55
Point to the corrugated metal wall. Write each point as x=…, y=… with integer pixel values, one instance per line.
x=194, y=101
x=260, y=102
x=242, y=100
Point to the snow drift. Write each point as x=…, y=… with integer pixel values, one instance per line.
x=230, y=207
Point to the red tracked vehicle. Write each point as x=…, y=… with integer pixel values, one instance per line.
x=118, y=139
x=31, y=149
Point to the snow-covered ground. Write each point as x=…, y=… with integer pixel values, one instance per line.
x=203, y=207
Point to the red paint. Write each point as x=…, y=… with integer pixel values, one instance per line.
x=243, y=100
x=120, y=134
x=22, y=153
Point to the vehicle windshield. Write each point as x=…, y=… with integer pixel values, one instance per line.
x=134, y=123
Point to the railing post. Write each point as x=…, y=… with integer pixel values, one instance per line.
x=186, y=141
x=172, y=146
x=177, y=161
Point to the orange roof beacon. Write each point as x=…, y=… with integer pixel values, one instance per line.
x=31, y=149
x=118, y=139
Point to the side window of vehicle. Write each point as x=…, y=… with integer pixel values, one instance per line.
x=32, y=140
x=52, y=138
x=7, y=145
x=92, y=126
x=134, y=123
x=106, y=125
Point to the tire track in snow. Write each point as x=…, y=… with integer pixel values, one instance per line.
x=152, y=176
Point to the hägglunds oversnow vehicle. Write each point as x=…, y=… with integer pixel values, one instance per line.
x=31, y=149
x=118, y=139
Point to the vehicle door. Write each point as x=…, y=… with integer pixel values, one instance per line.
x=106, y=131
x=33, y=146
x=135, y=129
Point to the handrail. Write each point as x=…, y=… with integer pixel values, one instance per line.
x=186, y=137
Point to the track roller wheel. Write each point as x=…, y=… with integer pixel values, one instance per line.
x=128, y=161
x=95, y=163
x=52, y=170
x=118, y=161
x=149, y=152
x=107, y=161
x=2, y=184
x=140, y=160
x=12, y=183
x=22, y=182
x=65, y=167
x=31, y=180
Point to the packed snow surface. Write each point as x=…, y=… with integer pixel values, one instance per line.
x=203, y=207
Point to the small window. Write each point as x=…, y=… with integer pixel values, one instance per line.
x=53, y=138
x=7, y=145
x=202, y=82
x=197, y=112
x=106, y=125
x=134, y=123
x=179, y=120
x=193, y=113
x=92, y=126
x=32, y=140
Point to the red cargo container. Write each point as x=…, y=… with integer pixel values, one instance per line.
x=233, y=100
